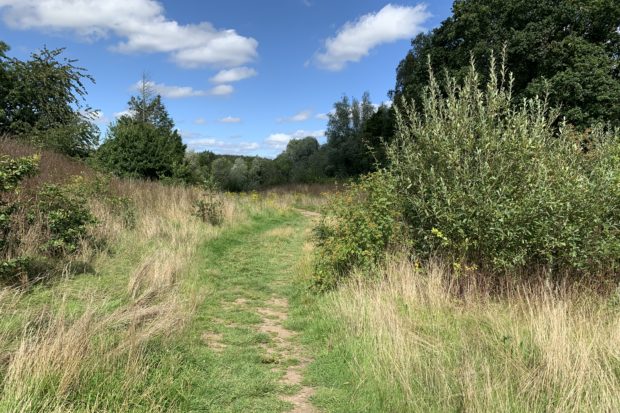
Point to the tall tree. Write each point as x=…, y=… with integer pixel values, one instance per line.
x=570, y=48
x=346, y=151
x=144, y=143
x=43, y=99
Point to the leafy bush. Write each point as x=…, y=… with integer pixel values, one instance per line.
x=66, y=218
x=506, y=186
x=356, y=228
x=42, y=101
x=100, y=188
x=210, y=209
x=12, y=171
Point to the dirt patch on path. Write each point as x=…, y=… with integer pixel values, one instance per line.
x=273, y=318
x=214, y=341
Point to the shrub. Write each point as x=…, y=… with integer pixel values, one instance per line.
x=65, y=217
x=356, y=228
x=506, y=186
x=210, y=209
x=12, y=171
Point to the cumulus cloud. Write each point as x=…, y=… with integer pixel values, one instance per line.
x=180, y=92
x=171, y=92
x=355, y=39
x=122, y=113
x=233, y=75
x=298, y=117
x=142, y=26
x=198, y=142
x=222, y=90
x=230, y=119
x=95, y=116
x=280, y=140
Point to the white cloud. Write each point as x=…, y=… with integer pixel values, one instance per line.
x=122, y=113
x=233, y=75
x=298, y=117
x=322, y=116
x=230, y=119
x=222, y=90
x=386, y=103
x=179, y=92
x=280, y=140
x=200, y=121
x=171, y=92
x=95, y=116
x=355, y=39
x=142, y=26
x=198, y=142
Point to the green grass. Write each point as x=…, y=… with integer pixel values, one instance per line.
x=242, y=263
x=181, y=371
x=404, y=342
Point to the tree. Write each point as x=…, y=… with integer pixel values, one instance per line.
x=144, y=143
x=220, y=171
x=378, y=133
x=42, y=100
x=568, y=48
x=238, y=178
x=305, y=165
x=346, y=151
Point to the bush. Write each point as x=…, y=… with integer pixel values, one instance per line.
x=65, y=217
x=12, y=171
x=506, y=186
x=210, y=209
x=356, y=228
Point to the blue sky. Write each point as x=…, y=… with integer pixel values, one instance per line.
x=237, y=76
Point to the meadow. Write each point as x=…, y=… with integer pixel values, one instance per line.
x=174, y=313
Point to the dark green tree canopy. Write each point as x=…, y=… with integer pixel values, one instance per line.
x=144, y=143
x=569, y=48
x=347, y=152
x=42, y=100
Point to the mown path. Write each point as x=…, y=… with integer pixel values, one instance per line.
x=243, y=356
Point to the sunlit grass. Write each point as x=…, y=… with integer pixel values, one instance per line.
x=412, y=340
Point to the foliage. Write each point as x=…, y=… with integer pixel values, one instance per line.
x=238, y=175
x=144, y=144
x=220, y=171
x=12, y=171
x=66, y=218
x=378, y=132
x=491, y=184
x=303, y=161
x=572, y=46
x=356, y=229
x=210, y=209
x=41, y=100
x=347, y=154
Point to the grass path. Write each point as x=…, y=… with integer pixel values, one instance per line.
x=238, y=354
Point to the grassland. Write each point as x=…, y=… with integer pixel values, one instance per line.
x=415, y=340
x=176, y=315
x=130, y=332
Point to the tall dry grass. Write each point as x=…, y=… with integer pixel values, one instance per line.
x=94, y=342
x=420, y=342
x=60, y=343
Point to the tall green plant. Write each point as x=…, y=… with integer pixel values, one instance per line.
x=356, y=229
x=12, y=172
x=505, y=186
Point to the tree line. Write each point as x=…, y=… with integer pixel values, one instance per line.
x=566, y=51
